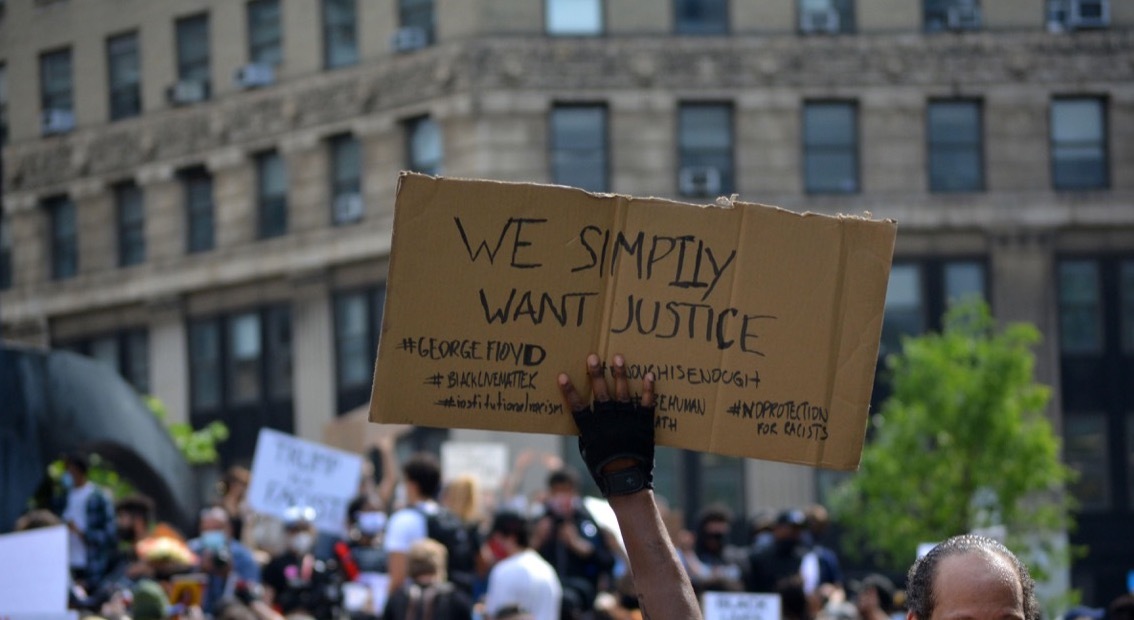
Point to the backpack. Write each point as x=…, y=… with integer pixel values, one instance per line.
x=462, y=541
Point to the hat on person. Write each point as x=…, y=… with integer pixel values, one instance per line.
x=791, y=517
x=150, y=602
x=297, y=517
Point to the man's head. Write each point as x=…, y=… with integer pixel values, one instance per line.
x=77, y=464
x=132, y=515
x=423, y=476
x=789, y=526
x=426, y=561
x=510, y=529
x=562, y=489
x=299, y=527
x=713, y=527
x=876, y=593
x=970, y=576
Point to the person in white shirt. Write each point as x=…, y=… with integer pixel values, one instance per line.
x=422, y=474
x=523, y=579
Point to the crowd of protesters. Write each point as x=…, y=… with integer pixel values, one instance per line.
x=433, y=551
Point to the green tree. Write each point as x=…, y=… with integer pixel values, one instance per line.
x=962, y=443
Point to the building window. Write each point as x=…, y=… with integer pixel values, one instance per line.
x=1085, y=450
x=3, y=104
x=358, y=321
x=1126, y=299
x=5, y=253
x=830, y=147
x=340, y=35
x=574, y=17
x=193, y=52
x=951, y=15
x=700, y=16
x=704, y=142
x=64, y=237
x=956, y=162
x=126, y=352
x=125, y=76
x=1078, y=144
x=131, y=224
x=1077, y=14
x=241, y=374
x=578, y=147
x=904, y=307
x=416, y=16
x=271, y=192
x=55, y=92
x=204, y=365
x=198, y=184
x=426, y=151
x=1080, y=307
x=826, y=16
x=265, y=35
x=963, y=280
x=346, y=179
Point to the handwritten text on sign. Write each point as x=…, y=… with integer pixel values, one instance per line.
x=760, y=325
x=289, y=472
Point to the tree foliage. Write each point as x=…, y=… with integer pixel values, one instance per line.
x=198, y=446
x=962, y=443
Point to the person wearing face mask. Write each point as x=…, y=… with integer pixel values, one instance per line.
x=713, y=564
x=87, y=512
x=361, y=557
x=225, y=561
x=571, y=540
x=296, y=581
x=782, y=558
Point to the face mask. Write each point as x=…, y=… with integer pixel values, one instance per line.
x=213, y=539
x=371, y=523
x=126, y=534
x=302, y=542
x=67, y=480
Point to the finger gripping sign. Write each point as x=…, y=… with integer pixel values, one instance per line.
x=760, y=325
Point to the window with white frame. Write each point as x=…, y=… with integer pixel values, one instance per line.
x=346, y=179
x=265, y=32
x=131, y=219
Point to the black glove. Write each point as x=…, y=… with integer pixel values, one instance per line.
x=612, y=430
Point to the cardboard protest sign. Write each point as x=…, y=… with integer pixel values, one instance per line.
x=290, y=472
x=740, y=606
x=34, y=577
x=486, y=462
x=761, y=325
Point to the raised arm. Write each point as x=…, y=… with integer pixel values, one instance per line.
x=616, y=439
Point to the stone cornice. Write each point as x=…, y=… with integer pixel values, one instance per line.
x=685, y=66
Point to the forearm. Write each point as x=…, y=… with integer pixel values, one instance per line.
x=653, y=559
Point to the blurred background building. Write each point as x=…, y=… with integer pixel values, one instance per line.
x=200, y=192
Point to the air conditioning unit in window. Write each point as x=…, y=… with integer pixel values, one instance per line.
x=58, y=121
x=963, y=16
x=409, y=38
x=1088, y=14
x=348, y=208
x=187, y=91
x=819, y=20
x=256, y=74
x=699, y=181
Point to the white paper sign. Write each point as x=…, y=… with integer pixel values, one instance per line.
x=34, y=572
x=487, y=462
x=740, y=606
x=290, y=472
